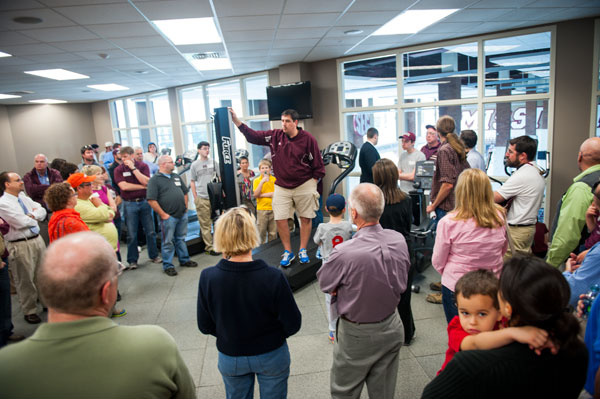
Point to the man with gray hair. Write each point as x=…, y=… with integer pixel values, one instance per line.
x=367, y=275
x=80, y=352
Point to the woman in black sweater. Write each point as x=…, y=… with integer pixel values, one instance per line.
x=531, y=293
x=397, y=215
x=250, y=308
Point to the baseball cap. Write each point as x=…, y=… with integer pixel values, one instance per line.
x=408, y=136
x=76, y=179
x=86, y=148
x=430, y=127
x=335, y=202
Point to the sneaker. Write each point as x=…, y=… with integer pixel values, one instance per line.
x=118, y=313
x=318, y=253
x=189, y=263
x=158, y=259
x=434, y=298
x=131, y=266
x=171, y=271
x=303, y=256
x=410, y=341
x=287, y=258
x=332, y=336
x=436, y=286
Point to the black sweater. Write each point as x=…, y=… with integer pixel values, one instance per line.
x=513, y=371
x=248, y=306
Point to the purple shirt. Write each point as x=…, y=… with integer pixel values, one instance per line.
x=430, y=151
x=368, y=272
x=295, y=160
x=35, y=189
x=123, y=173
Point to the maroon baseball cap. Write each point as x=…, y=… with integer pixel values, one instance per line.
x=409, y=136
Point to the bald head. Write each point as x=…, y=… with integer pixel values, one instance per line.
x=589, y=153
x=40, y=163
x=73, y=271
x=165, y=164
x=367, y=199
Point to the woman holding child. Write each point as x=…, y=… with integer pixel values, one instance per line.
x=471, y=237
x=250, y=308
x=531, y=293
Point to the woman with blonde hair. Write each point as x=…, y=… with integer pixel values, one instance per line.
x=472, y=236
x=397, y=215
x=250, y=308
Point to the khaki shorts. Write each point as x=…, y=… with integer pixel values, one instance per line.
x=304, y=199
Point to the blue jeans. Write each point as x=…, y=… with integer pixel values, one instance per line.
x=272, y=370
x=134, y=213
x=449, y=304
x=6, y=325
x=173, y=232
x=439, y=214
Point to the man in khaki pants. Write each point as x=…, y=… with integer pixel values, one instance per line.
x=23, y=241
x=202, y=172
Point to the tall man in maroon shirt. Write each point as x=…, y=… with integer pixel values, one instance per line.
x=367, y=275
x=298, y=166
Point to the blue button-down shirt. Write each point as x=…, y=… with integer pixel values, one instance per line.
x=585, y=276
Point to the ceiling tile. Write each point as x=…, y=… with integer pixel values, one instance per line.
x=85, y=45
x=161, y=51
x=28, y=49
x=101, y=14
x=258, y=44
x=504, y=4
x=50, y=19
x=294, y=43
x=338, y=31
x=19, y=5
x=14, y=38
x=556, y=3
x=320, y=6
x=175, y=9
x=300, y=51
x=244, y=36
x=63, y=34
x=234, y=8
x=300, y=33
x=60, y=58
x=446, y=4
x=202, y=48
x=477, y=15
x=123, y=29
x=93, y=55
x=448, y=27
x=366, y=18
x=144, y=41
x=308, y=20
x=381, y=5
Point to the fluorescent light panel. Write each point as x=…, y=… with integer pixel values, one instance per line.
x=57, y=74
x=3, y=54
x=7, y=96
x=189, y=30
x=48, y=101
x=413, y=21
x=108, y=87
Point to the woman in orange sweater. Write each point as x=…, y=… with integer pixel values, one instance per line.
x=61, y=200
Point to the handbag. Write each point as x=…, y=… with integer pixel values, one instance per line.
x=215, y=194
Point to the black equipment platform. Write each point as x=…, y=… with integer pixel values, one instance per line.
x=298, y=274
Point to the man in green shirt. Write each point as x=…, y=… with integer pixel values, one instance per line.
x=80, y=352
x=570, y=221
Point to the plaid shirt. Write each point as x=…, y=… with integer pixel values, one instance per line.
x=447, y=168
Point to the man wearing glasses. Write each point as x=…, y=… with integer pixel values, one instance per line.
x=24, y=244
x=168, y=196
x=80, y=351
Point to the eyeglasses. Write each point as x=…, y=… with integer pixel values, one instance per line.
x=85, y=184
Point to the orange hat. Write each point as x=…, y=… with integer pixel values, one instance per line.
x=76, y=179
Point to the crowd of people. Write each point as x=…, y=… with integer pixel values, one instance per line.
x=510, y=313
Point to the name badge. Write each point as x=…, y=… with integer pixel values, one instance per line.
x=177, y=183
x=411, y=163
x=126, y=174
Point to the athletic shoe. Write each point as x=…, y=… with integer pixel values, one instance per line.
x=318, y=253
x=434, y=298
x=287, y=258
x=436, y=286
x=303, y=256
x=171, y=271
x=189, y=263
x=131, y=266
x=117, y=313
x=158, y=259
x=332, y=337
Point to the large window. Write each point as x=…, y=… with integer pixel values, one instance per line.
x=142, y=119
x=247, y=96
x=497, y=85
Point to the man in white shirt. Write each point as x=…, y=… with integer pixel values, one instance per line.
x=408, y=162
x=23, y=241
x=525, y=191
x=474, y=157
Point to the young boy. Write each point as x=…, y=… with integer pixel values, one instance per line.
x=478, y=321
x=327, y=236
x=263, y=186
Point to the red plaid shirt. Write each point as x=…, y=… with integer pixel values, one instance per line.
x=447, y=168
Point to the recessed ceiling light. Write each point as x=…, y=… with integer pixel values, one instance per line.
x=3, y=54
x=189, y=30
x=413, y=21
x=57, y=74
x=352, y=32
x=108, y=87
x=5, y=96
x=48, y=101
x=28, y=20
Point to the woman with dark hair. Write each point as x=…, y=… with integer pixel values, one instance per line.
x=397, y=215
x=61, y=200
x=531, y=293
x=245, y=176
x=152, y=154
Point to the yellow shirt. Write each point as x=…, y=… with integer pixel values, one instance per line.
x=264, y=204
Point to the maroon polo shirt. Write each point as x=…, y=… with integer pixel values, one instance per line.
x=123, y=173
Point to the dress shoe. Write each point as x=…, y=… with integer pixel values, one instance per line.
x=213, y=253
x=32, y=318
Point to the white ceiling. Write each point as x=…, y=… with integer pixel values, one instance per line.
x=258, y=35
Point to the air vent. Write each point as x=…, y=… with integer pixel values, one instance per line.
x=203, y=56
